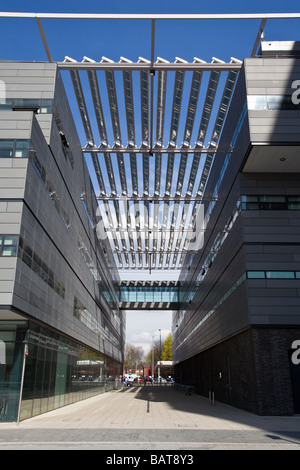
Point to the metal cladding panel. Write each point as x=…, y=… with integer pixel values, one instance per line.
x=50, y=208
x=273, y=104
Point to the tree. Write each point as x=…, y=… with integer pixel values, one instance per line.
x=133, y=356
x=153, y=353
x=166, y=351
x=167, y=348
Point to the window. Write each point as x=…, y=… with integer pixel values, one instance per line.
x=218, y=242
x=34, y=262
x=27, y=255
x=273, y=275
x=294, y=203
x=256, y=274
x=6, y=148
x=271, y=102
x=22, y=148
x=55, y=198
x=270, y=202
x=15, y=148
x=85, y=316
x=64, y=141
x=218, y=304
x=39, y=106
x=280, y=275
x=229, y=154
x=257, y=102
x=8, y=245
x=88, y=213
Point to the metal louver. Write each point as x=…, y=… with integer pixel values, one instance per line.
x=153, y=189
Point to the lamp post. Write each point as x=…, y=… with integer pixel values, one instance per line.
x=152, y=371
x=159, y=354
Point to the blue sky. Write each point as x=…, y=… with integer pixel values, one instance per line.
x=20, y=40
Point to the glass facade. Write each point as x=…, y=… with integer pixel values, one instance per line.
x=271, y=102
x=57, y=371
x=50, y=188
x=227, y=294
x=15, y=148
x=273, y=274
x=12, y=336
x=39, y=106
x=9, y=245
x=273, y=202
x=157, y=294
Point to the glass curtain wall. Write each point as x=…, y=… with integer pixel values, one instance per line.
x=12, y=336
x=57, y=371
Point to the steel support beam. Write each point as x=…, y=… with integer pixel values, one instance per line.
x=139, y=66
x=151, y=16
x=142, y=150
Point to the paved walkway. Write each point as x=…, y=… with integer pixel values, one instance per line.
x=151, y=418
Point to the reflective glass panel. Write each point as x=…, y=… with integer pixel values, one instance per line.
x=280, y=274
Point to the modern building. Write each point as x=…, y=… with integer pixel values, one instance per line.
x=240, y=294
x=128, y=195
x=61, y=330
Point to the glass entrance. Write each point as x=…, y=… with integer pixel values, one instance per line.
x=12, y=336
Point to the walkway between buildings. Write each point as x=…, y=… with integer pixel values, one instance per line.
x=151, y=418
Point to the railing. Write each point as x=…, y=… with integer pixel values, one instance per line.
x=186, y=389
x=147, y=384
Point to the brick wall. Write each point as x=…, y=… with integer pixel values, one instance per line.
x=249, y=371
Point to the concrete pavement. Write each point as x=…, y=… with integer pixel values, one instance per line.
x=151, y=418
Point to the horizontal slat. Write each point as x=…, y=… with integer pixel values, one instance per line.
x=155, y=236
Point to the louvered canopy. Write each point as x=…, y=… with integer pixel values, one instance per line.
x=150, y=170
x=151, y=130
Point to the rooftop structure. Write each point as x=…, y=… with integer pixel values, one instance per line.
x=150, y=172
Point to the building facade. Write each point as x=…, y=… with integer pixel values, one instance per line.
x=240, y=295
x=61, y=330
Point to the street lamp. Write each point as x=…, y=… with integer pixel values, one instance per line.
x=152, y=371
x=159, y=355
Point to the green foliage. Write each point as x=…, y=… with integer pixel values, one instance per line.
x=154, y=353
x=167, y=349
